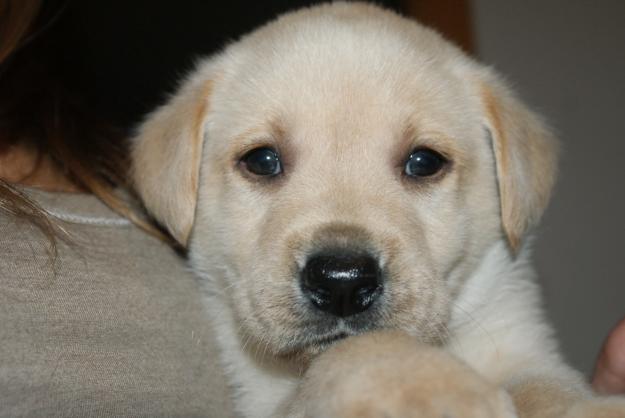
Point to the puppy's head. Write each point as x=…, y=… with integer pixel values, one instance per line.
x=339, y=170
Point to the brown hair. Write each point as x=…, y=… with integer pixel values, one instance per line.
x=38, y=106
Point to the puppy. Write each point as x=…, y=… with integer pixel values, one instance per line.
x=344, y=173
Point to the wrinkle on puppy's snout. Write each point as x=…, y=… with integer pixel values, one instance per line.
x=342, y=236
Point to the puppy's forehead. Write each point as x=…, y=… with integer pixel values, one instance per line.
x=342, y=79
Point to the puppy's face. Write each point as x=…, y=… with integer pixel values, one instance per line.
x=341, y=170
x=352, y=156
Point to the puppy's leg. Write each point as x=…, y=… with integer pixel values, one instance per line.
x=389, y=374
x=599, y=407
x=543, y=397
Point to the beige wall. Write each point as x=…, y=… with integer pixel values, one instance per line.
x=567, y=58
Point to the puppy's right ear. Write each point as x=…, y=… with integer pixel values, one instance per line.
x=166, y=157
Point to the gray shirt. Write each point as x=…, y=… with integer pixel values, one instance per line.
x=115, y=326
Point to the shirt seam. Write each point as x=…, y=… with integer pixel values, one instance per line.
x=88, y=220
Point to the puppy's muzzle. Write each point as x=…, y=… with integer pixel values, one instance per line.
x=342, y=284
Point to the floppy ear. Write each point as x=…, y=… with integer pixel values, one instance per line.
x=526, y=158
x=166, y=158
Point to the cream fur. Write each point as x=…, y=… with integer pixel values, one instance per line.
x=345, y=92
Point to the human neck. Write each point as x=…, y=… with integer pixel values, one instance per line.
x=24, y=164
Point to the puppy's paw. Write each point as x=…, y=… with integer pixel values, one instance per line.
x=390, y=375
x=608, y=407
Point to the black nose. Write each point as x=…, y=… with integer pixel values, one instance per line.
x=342, y=285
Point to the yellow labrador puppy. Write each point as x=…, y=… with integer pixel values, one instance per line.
x=356, y=192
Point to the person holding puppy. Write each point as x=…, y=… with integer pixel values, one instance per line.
x=99, y=315
x=609, y=375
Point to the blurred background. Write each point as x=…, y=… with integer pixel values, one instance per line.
x=565, y=57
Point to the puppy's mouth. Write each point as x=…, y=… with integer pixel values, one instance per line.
x=329, y=340
x=313, y=346
x=310, y=342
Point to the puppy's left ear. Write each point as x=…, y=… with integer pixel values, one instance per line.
x=166, y=157
x=526, y=159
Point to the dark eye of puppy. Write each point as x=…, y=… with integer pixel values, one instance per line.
x=262, y=162
x=424, y=162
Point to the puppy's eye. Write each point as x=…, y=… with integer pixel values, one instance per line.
x=424, y=162
x=262, y=162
